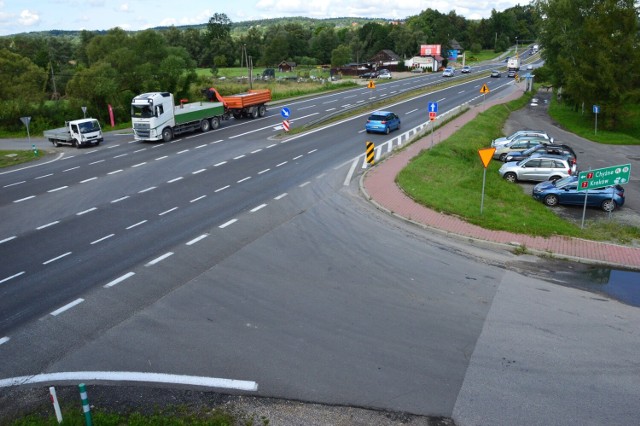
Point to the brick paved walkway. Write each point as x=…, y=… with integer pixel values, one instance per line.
x=378, y=183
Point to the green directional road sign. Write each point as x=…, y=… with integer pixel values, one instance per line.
x=614, y=175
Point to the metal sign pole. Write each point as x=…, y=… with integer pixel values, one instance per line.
x=432, y=127
x=484, y=179
x=584, y=208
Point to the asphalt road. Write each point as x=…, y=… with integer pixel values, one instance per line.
x=290, y=280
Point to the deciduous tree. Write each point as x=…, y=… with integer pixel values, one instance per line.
x=591, y=48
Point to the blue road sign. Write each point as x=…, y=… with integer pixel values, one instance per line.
x=433, y=107
x=596, y=109
x=285, y=112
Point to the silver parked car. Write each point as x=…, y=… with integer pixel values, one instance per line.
x=520, y=133
x=519, y=144
x=537, y=169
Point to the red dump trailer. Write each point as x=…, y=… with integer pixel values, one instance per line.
x=249, y=104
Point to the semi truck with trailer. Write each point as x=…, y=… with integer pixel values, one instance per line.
x=82, y=132
x=154, y=115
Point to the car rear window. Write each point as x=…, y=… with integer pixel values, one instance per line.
x=378, y=117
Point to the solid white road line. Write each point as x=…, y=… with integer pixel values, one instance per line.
x=136, y=224
x=117, y=200
x=56, y=258
x=24, y=199
x=195, y=240
x=4, y=280
x=102, y=239
x=224, y=225
x=131, y=376
x=8, y=239
x=86, y=211
x=160, y=259
x=48, y=225
x=67, y=307
x=119, y=279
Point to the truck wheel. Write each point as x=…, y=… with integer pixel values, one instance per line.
x=205, y=126
x=54, y=142
x=254, y=113
x=76, y=144
x=215, y=123
x=167, y=134
x=237, y=115
x=262, y=110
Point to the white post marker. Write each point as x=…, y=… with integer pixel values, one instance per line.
x=56, y=405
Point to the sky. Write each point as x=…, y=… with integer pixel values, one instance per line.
x=19, y=16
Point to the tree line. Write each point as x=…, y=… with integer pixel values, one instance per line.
x=97, y=69
x=592, y=54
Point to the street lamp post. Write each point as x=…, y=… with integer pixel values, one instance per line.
x=516, y=45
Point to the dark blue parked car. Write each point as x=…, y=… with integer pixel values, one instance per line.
x=382, y=122
x=565, y=191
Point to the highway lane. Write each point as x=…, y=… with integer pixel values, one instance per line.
x=70, y=234
x=287, y=278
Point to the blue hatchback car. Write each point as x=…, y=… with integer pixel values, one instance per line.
x=382, y=122
x=565, y=191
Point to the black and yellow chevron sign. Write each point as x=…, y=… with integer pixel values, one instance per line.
x=370, y=152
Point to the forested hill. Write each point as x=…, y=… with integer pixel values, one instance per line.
x=242, y=27
x=237, y=28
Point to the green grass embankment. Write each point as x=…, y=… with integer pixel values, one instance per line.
x=448, y=178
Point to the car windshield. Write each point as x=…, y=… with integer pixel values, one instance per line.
x=377, y=117
x=89, y=126
x=560, y=183
x=531, y=150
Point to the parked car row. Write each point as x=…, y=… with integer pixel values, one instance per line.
x=518, y=145
x=532, y=155
x=381, y=73
x=520, y=133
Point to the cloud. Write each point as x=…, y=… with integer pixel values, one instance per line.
x=28, y=18
x=197, y=19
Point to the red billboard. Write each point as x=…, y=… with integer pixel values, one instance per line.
x=430, y=50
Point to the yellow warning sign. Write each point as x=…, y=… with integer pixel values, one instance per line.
x=371, y=85
x=486, y=155
x=485, y=88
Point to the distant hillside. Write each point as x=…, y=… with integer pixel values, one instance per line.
x=237, y=28
x=242, y=27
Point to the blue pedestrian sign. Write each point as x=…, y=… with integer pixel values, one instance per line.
x=285, y=112
x=433, y=107
x=596, y=109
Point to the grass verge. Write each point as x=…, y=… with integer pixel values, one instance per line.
x=164, y=418
x=14, y=157
x=448, y=178
x=583, y=124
